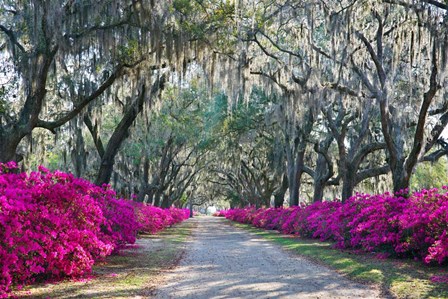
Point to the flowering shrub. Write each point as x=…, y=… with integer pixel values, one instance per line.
x=54, y=225
x=425, y=225
x=267, y=218
x=153, y=219
x=288, y=219
x=387, y=224
x=220, y=213
x=439, y=279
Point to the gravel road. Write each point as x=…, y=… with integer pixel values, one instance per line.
x=226, y=262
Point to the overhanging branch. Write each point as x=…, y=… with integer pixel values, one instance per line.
x=12, y=38
x=52, y=125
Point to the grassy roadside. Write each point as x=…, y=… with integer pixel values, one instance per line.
x=135, y=272
x=396, y=278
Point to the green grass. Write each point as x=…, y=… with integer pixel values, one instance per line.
x=136, y=271
x=398, y=278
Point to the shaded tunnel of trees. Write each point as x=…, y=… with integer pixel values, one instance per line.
x=257, y=102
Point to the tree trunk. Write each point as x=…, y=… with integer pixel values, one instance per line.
x=400, y=178
x=13, y=133
x=151, y=193
x=78, y=154
x=320, y=178
x=266, y=197
x=107, y=165
x=348, y=184
x=121, y=132
x=157, y=197
x=8, y=147
x=145, y=181
x=119, y=135
x=295, y=172
x=166, y=203
x=293, y=186
x=279, y=194
x=319, y=186
x=324, y=168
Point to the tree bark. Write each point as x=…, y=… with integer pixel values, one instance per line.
x=165, y=201
x=400, y=178
x=348, y=183
x=295, y=172
x=157, y=197
x=8, y=146
x=324, y=168
x=323, y=172
x=12, y=133
x=121, y=132
x=145, y=182
x=295, y=156
x=401, y=165
x=119, y=135
x=279, y=194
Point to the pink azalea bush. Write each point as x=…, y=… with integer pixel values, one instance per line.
x=154, y=219
x=220, y=213
x=288, y=220
x=415, y=226
x=55, y=225
x=267, y=218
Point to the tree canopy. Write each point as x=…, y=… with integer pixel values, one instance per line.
x=255, y=102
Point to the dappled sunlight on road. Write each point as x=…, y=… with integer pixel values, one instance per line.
x=226, y=262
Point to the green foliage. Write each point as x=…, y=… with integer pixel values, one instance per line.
x=128, y=53
x=183, y=6
x=183, y=200
x=249, y=116
x=430, y=175
x=210, y=21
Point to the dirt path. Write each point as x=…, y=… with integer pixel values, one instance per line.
x=225, y=262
